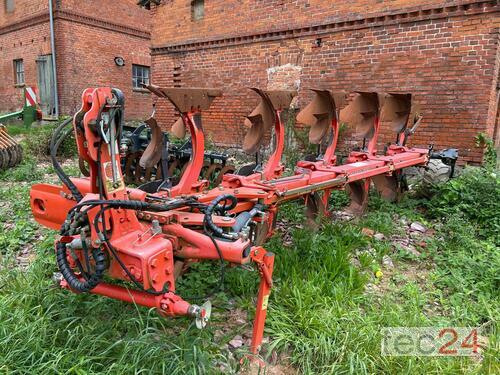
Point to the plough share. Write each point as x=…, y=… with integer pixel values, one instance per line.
x=149, y=238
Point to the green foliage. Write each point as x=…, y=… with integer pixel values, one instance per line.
x=202, y=282
x=468, y=273
x=338, y=199
x=475, y=195
x=16, y=129
x=46, y=330
x=322, y=315
x=27, y=170
x=490, y=153
x=37, y=142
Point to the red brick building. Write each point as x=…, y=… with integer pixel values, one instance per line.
x=446, y=52
x=88, y=36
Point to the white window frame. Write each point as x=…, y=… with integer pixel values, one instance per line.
x=141, y=74
x=19, y=72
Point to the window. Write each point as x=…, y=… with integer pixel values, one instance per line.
x=140, y=76
x=197, y=10
x=147, y=3
x=19, y=72
x=9, y=6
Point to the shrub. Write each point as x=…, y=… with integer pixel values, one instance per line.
x=38, y=142
x=475, y=195
x=490, y=153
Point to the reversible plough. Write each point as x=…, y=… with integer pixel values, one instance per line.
x=148, y=237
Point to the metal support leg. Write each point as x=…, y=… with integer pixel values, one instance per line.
x=265, y=263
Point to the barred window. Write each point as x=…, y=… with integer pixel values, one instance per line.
x=140, y=76
x=19, y=71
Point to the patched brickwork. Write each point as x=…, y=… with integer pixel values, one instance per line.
x=446, y=53
x=89, y=35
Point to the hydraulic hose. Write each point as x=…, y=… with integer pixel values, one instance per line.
x=55, y=143
x=213, y=206
x=244, y=218
x=131, y=205
x=73, y=280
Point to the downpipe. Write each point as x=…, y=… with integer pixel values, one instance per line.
x=54, y=66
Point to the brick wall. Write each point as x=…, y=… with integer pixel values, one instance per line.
x=122, y=12
x=89, y=35
x=17, y=42
x=25, y=44
x=446, y=56
x=86, y=59
x=172, y=20
x=22, y=10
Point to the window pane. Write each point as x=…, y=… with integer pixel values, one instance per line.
x=197, y=10
x=140, y=76
x=19, y=71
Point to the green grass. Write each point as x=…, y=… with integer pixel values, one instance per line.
x=325, y=314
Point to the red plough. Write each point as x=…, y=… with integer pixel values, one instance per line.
x=149, y=239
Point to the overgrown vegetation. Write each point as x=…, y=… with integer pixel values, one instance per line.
x=475, y=195
x=326, y=310
x=38, y=143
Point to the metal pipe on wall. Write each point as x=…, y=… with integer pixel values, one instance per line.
x=54, y=66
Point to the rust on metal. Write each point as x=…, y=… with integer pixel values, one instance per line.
x=280, y=99
x=187, y=99
x=152, y=154
x=263, y=117
x=396, y=110
x=358, y=192
x=318, y=114
x=388, y=187
x=155, y=90
x=179, y=128
x=11, y=153
x=315, y=208
x=362, y=111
